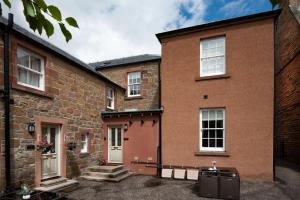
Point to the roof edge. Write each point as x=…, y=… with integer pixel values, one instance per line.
x=125, y=113
x=129, y=63
x=22, y=32
x=219, y=24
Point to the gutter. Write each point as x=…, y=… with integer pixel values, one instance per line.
x=6, y=97
x=159, y=153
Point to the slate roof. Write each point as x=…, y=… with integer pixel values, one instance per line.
x=125, y=61
x=18, y=30
x=295, y=8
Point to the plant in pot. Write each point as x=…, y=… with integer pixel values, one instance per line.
x=26, y=191
x=44, y=146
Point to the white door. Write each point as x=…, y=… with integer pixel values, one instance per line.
x=50, y=161
x=115, y=153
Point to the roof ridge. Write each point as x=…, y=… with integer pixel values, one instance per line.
x=123, y=58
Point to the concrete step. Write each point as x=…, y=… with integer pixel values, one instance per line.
x=53, y=181
x=68, y=185
x=115, y=179
x=106, y=175
x=106, y=168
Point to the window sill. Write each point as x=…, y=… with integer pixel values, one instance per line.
x=83, y=155
x=223, y=76
x=213, y=153
x=31, y=91
x=133, y=98
x=110, y=109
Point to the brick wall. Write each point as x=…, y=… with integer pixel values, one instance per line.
x=72, y=95
x=149, y=85
x=287, y=86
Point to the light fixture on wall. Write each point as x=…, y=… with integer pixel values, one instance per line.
x=31, y=128
x=125, y=127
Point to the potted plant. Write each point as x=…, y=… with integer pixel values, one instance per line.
x=44, y=146
x=26, y=191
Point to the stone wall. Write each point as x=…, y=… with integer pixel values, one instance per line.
x=71, y=94
x=287, y=86
x=149, y=85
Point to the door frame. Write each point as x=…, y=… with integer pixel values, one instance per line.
x=58, y=153
x=108, y=141
x=62, y=124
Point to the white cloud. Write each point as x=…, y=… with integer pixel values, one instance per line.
x=111, y=29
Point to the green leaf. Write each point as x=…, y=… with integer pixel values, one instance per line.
x=66, y=33
x=72, y=22
x=29, y=9
x=41, y=4
x=274, y=3
x=0, y=9
x=55, y=12
x=7, y=2
x=48, y=26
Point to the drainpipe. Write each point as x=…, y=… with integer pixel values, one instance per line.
x=6, y=98
x=159, y=159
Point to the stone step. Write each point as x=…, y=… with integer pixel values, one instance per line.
x=106, y=168
x=68, y=185
x=106, y=175
x=116, y=179
x=53, y=181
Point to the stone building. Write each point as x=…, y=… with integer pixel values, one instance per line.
x=146, y=68
x=140, y=149
x=63, y=98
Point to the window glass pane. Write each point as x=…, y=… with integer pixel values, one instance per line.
x=219, y=142
x=212, y=134
x=205, y=142
x=35, y=63
x=220, y=114
x=119, y=137
x=113, y=137
x=204, y=115
x=219, y=133
x=23, y=58
x=52, y=139
x=205, y=133
x=212, y=115
x=204, y=124
x=22, y=75
x=212, y=143
x=212, y=124
x=219, y=123
x=34, y=79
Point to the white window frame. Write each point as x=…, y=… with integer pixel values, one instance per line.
x=42, y=73
x=128, y=85
x=84, y=148
x=112, y=99
x=212, y=149
x=202, y=73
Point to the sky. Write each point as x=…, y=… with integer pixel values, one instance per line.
x=117, y=28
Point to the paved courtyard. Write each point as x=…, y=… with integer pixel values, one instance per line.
x=147, y=187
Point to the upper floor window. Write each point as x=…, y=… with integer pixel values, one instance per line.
x=134, y=84
x=30, y=70
x=212, y=56
x=212, y=130
x=110, y=97
x=84, y=143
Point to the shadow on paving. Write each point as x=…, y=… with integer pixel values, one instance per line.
x=148, y=188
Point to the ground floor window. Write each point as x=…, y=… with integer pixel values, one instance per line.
x=84, y=143
x=212, y=130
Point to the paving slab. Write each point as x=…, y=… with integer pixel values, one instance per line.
x=152, y=188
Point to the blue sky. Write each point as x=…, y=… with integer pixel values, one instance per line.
x=118, y=28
